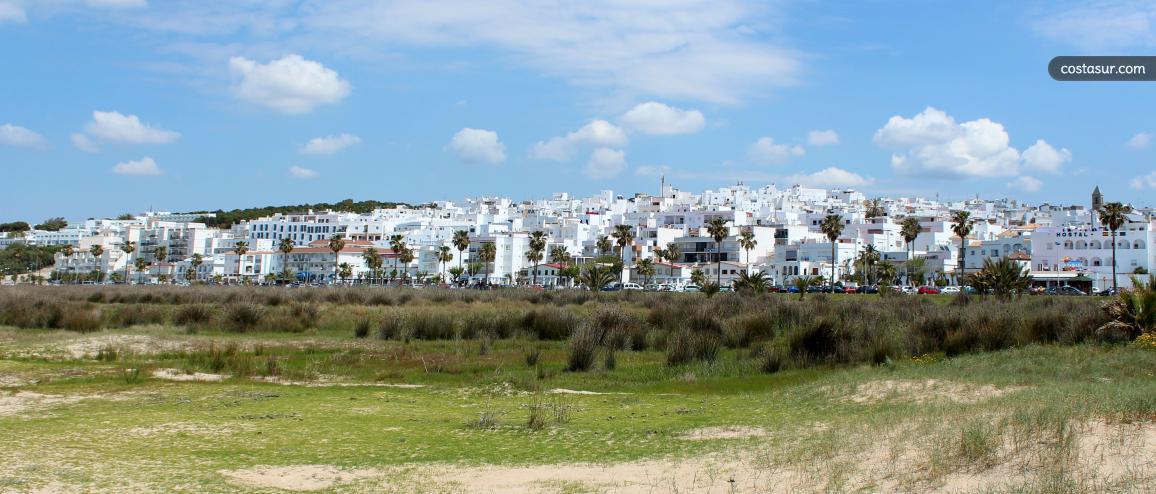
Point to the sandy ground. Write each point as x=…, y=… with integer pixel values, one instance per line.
x=924, y=391
x=296, y=478
x=177, y=375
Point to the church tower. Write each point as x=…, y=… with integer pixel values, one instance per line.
x=1097, y=204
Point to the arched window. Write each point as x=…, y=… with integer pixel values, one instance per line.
x=1095, y=244
x=1122, y=245
x=1081, y=245
x=1138, y=245
x=1067, y=244
x=1097, y=262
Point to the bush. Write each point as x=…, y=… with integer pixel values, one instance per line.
x=192, y=315
x=80, y=320
x=361, y=330
x=582, y=350
x=243, y=317
x=550, y=323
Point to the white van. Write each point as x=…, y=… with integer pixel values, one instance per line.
x=631, y=286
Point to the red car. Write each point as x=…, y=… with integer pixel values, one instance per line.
x=928, y=290
x=850, y=289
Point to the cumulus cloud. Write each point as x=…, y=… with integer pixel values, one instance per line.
x=1041, y=156
x=1025, y=183
x=658, y=119
x=478, y=146
x=84, y=143
x=1140, y=140
x=766, y=152
x=1145, y=182
x=831, y=178
x=144, y=167
x=299, y=172
x=597, y=133
x=11, y=11
x=290, y=84
x=605, y=163
x=822, y=138
x=932, y=143
x=329, y=144
x=117, y=4
x=116, y=127
x=17, y=136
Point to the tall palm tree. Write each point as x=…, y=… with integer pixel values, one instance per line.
x=97, y=251
x=128, y=247
x=560, y=255
x=241, y=247
x=406, y=256
x=874, y=208
x=603, y=244
x=372, y=261
x=336, y=244
x=396, y=244
x=536, y=252
x=197, y=261
x=672, y=252
x=1114, y=215
x=286, y=247
x=961, y=226
x=141, y=265
x=717, y=229
x=910, y=230
x=747, y=242
x=886, y=272
x=160, y=254
x=870, y=257
x=832, y=227
x=623, y=237
x=445, y=254
x=345, y=270
x=488, y=252
x=67, y=251
x=461, y=242
x=646, y=270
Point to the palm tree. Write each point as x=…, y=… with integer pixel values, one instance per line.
x=832, y=227
x=406, y=256
x=646, y=269
x=67, y=252
x=286, y=247
x=962, y=227
x=345, y=270
x=128, y=247
x=870, y=257
x=623, y=237
x=488, y=252
x=396, y=244
x=1114, y=215
x=803, y=283
x=560, y=255
x=336, y=244
x=717, y=229
x=603, y=244
x=141, y=265
x=595, y=277
x=372, y=261
x=886, y=272
x=241, y=247
x=874, y=208
x=673, y=252
x=747, y=242
x=910, y=230
x=1003, y=278
x=461, y=242
x=754, y=283
x=536, y=252
x=445, y=254
x=97, y=251
x=160, y=254
x=697, y=277
x=197, y=261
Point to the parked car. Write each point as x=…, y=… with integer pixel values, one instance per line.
x=666, y=287
x=1108, y=292
x=1065, y=290
x=850, y=289
x=612, y=287
x=690, y=288
x=632, y=286
x=928, y=290
x=951, y=290
x=868, y=289
x=908, y=290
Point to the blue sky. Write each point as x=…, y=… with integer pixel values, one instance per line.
x=111, y=106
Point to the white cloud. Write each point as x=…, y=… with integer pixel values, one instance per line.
x=478, y=146
x=84, y=143
x=597, y=133
x=290, y=84
x=144, y=167
x=115, y=127
x=117, y=4
x=329, y=144
x=766, y=152
x=1140, y=140
x=1025, y=183
x=1102, y=25
x=658, y=119
x=605, y=163
x=831, y=178
x=1041, y=156
x=687, y=50
x=17, y=136
x=11, y=11
x=932, y=143
x=299, y=172
x=1145, y=182
x=822, y=138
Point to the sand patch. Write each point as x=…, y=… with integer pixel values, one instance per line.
x=927, y=391
x=91, y=347
x=564, y=391
x=331, y=384
x=296, y=477
x=177, y=375
x=24, y=401
x=725, y=432
x=188, y=428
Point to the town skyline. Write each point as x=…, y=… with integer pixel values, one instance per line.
x=254, y=103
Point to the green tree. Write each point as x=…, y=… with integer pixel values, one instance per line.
x=461, y=242
x=336, y=245
x=646, y=270
x=718, y=230
x=128, y=247
x=756, y=282
x=445, y=254
x=596, y=277
x=286, y=246
x=240, y=248
x=406, y=256
x=141, y=266
x=1003, y=278
x=372, y=261
x=673, y=253
x=344, y=271
x=536, y=252
x=1114, y=215
x=910, y=229
x=832, y=227
x=161, y=254
x=886, y=273
x=747, y=242
x=396, y=244
x=197, y=261
x=1133, y=311
x=487, y=253
x=804, y=283
x=623, y=237
x=603, y=244
x=961, y=227
x=697, y=277
x=52, y=225
x=874, y=208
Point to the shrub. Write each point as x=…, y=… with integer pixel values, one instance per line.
x=135, y=315
x=191, y=315
x=81, y=320
x=687, y=344
x=550, y=323
x=361, y=330
x=532, y=355
x=583, y=348
x=243, y=317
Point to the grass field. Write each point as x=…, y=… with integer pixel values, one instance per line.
x=470, y=393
